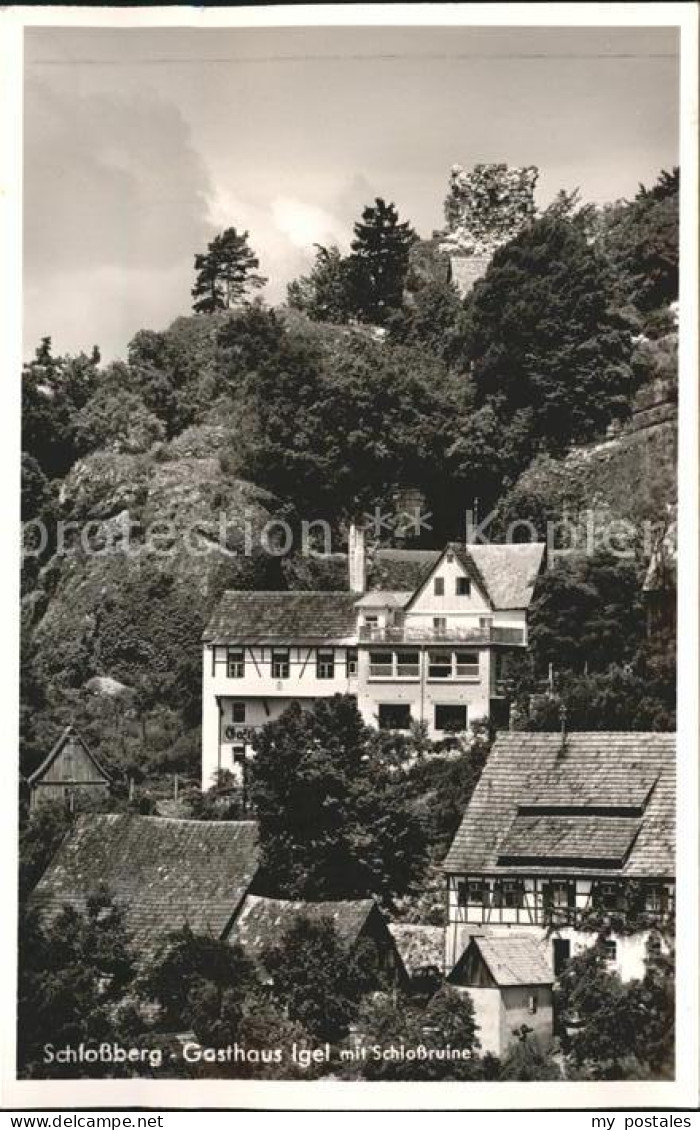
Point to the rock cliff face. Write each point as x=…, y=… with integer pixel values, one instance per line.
x=146, y=539
x=484, y=209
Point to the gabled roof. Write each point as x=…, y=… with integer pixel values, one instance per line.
x=164, y=873
x=262, y=921
x=69, y=735
x=588, y=781
x=504, y=574
x=282, y=617
x=511, y=959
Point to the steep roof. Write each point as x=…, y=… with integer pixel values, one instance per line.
x=513, y=810
x=164, y=873
x=512, y=959
x=281, y=617
x=508, y=571
x=262, y=921
x=421, y=947
x=69, y=735
x=505, y=574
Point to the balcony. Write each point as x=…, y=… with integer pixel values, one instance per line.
x=448, y=635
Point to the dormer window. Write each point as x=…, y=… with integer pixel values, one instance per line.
x=463, y=586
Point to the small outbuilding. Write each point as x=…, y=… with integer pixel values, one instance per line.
x=510, y=983
x=359, y=923
x=69, y=771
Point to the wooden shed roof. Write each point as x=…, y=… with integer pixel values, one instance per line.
x=589, y=778
x=260, y=921
x=511, y=959
x=68, y=735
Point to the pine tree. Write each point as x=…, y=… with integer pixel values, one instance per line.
x=380, y=255
x=225, y=272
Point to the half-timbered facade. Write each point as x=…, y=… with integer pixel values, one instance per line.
x=436, y=654
x=565, y=835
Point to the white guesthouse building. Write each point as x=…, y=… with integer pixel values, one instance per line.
x=435, y=654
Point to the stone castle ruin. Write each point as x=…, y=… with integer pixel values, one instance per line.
x=484, y=209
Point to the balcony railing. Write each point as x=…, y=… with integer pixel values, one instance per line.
x=448, y=635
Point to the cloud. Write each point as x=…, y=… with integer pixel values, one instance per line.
x=109, y=179
x=306, y=224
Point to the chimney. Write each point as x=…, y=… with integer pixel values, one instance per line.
x=356, y=559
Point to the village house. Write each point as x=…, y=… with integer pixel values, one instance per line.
x=510, y=984
x=435, y=654
x=567, y=836
x=69, y=771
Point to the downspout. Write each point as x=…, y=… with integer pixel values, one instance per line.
x=218, y=738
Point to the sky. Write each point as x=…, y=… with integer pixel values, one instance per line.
x=141, y=144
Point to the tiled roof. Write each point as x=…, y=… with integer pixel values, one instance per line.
x=519, y=767
x=420, y=946
x=383, y=599
x=513, y=959
x=72, y=736
x=568, y=839
x=509, y=571
x=399, y=569
x=262, y=921
x=280, y=617
x=163, y=873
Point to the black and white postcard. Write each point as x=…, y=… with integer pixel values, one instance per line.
x=350, y=676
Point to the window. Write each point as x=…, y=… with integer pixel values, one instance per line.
x=463, y=586
x=610, y=951
x=607, y=896
x=439, y=664
x=559, y=896
x=655, y=900
x=351, y=660
x=532, y=1003
x=561, y=952
x=394, y=716
x=451, y=717
x=235, y=663
x=325, y=663
x=467, y=664
x=439, y=586
x=371, y=625
x=238, y=753
x=476, y=893
x=508, y=894
x=407, y=664
x=380, y=664
x=280, y=663
x=238, y=712
x=440, y=625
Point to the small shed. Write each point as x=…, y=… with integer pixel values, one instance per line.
x=359, y=924
x=70, y=770
x=510, y=983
